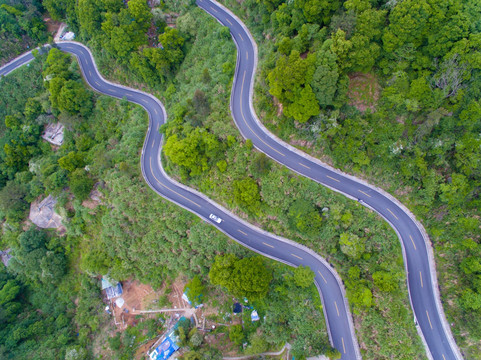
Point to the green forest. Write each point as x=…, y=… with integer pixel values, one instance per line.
x=383, y=90
x=21, y=27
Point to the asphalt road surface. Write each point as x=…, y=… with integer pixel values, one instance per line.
x=338, y=318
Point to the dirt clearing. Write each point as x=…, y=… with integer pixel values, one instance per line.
x=363, y=91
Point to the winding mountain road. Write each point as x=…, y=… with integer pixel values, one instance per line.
x=417, y=252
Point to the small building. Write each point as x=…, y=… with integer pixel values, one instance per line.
x=168, y=344
x=110, y=290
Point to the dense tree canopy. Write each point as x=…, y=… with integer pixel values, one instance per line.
x=246, y=277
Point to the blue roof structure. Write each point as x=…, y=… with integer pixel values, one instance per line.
x=165, y=349
x=168, y=346
x=112, y=291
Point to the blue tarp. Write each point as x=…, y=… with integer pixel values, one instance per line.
x=164, y=350
x=168, y=346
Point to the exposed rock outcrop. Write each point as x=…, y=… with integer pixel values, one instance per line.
x=54, y=133
x=43, y=214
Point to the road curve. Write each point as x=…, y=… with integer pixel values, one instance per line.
x=418, y=258
x=333, y=297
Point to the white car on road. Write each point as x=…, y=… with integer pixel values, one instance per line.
x=217, y=219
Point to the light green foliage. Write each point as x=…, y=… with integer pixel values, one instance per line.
x=195, y=290
x=194, y=151
x=89, y=17
x=246, y=277
x=385, y=281
x=65, y=94
x=160, y=63
x=333, y=354
x=303, y=276
x=318, y=11
x=236, y=334
x=257, y=345
x=73, y=160
x=246, y=194
x=289, y=83
x=352, y=245
x=222, y=165
x=471, y=300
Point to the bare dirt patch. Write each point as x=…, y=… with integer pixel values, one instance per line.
x=363, y=91
x=52, y=25
x=134, y=295
x=278, y=105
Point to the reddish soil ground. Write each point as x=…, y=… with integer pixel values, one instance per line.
x=52, y=26
x=363, y=91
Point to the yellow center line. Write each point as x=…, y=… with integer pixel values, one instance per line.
x=175, y=192
x=330, y=177
x=421, y=277
x=247, y=55
x=214, y=9
x=90, y=73
x=429, y=319
x=96, y=83
x=241, y=232
x=266, y=244
x=153, y=142
x=307, y=167
x=412, y=240
x=242, y=114
x=443, y=357
x=364, y=193
x=155, y=111
x=392, y=213
x=241, y=37
x=296, y=256
x=323, y=278
x=343, y=347
x=335, y=303
x=228, y=21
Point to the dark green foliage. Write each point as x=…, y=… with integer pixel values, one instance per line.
x=80, y=184
x=246, y=194
x=21, y=27
x=304, y=217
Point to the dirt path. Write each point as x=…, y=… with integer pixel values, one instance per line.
x=276, y=353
